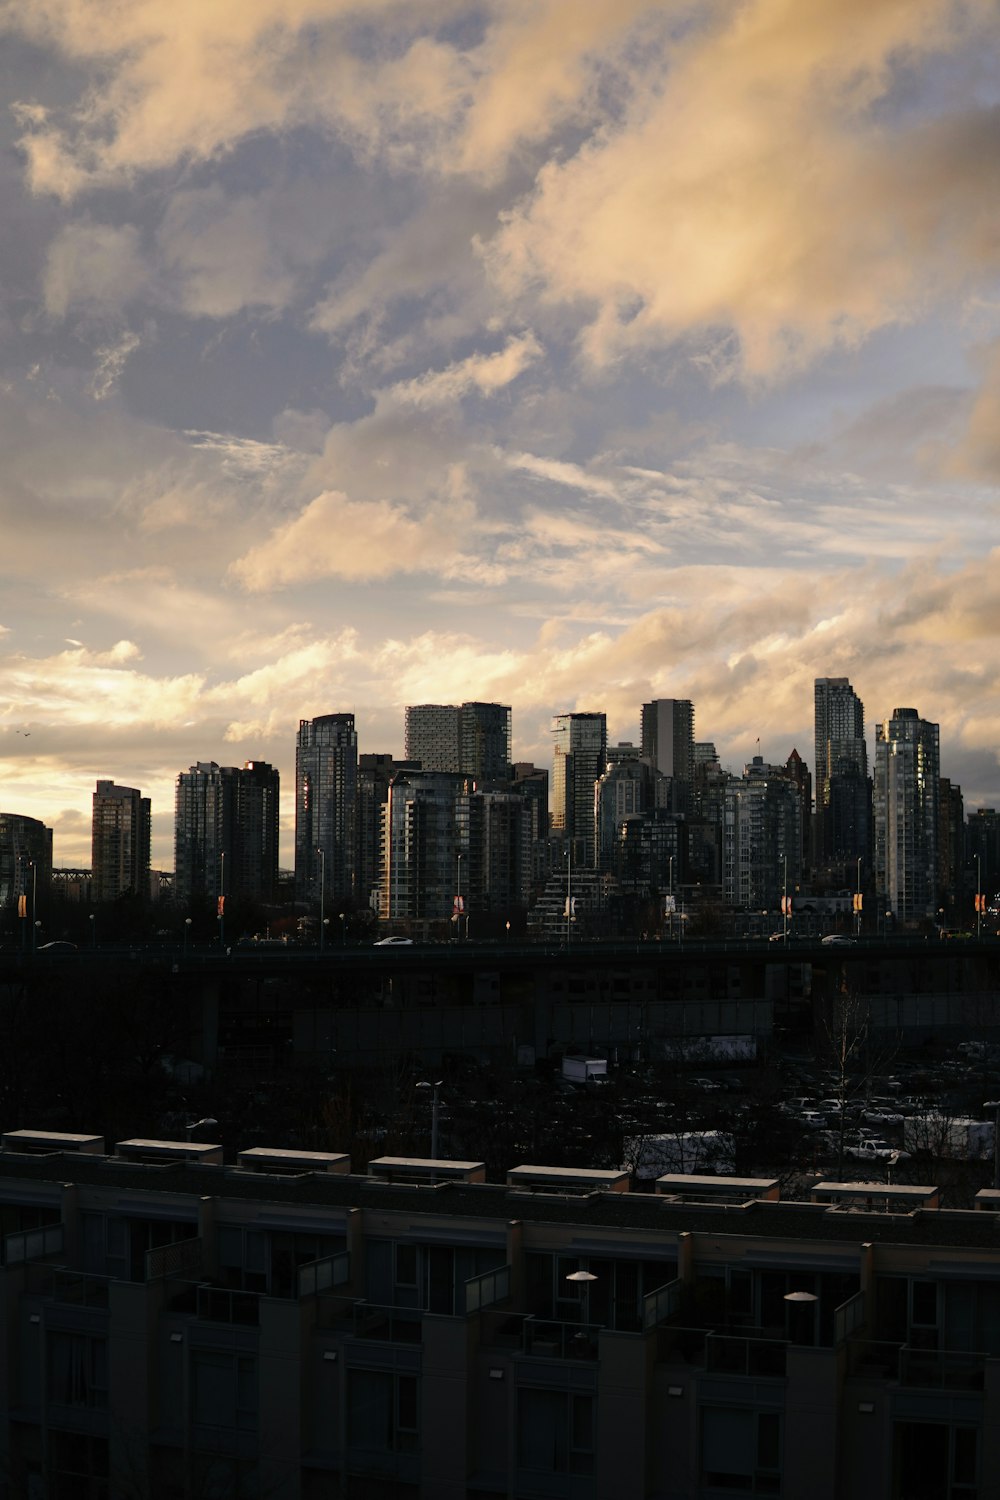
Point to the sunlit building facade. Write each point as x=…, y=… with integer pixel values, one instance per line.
x=120, y=835
x=907, y=798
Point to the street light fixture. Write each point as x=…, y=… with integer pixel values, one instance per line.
x=93, y=931
x=994, y=1104
x=435, y=1113
x=979, y=895
x=187, y=934
x=343, y=928
x=582, y=1280
x=194, y=1125
x=322, y=892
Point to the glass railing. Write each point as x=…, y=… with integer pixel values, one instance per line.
x=32, y=1244
x=219, y=1305
x=659, y=1306
x=488, y=1289
x=942, y=1369
x=848, y=1318
x=322, y=1275
x=546, y=1339
x=75, y=1287
x=740, y=1354
x=391, y=1325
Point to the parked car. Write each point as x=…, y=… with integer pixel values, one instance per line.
x=394, y=942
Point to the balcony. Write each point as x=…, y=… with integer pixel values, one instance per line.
x=917, y=1369
x=542, y=1338
x=75, y=1288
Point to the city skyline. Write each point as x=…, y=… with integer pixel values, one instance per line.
x=567, y=357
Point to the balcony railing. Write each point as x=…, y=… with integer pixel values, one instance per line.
x=77, y=1288
x=318, y=1276
x=849, y=1318
x=545, y=1339
x=741, y=1354
x=942, y=1369
x=219, y=1305
x=488, y=1289
x=659, y=1306
x=33, y=1244
x=391, y=1325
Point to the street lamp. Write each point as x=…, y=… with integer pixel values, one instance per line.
x=582, y=1280
x=343, y=929
x=93, y=931
x=435, y=1113
x=222, y=900
x=994, y=1104
x=784, y=901
x=35, y=930
x=569, y=886
x=801, y=1314
x=979, y=895
x=857, y=904
x=322, y=892
x=187, y=934
x=458, y=904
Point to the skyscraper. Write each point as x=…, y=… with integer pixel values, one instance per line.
x=580, y=758
x=226, y=832
x=842, y=790
x=120, y=835
x=907, y=790
x=326, y=789
x=432, y=735
x=667, y=737
x=474, y=739
x=421, y=845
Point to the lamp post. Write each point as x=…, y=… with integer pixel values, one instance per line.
x=994, y=1104
x=670, y=885
x=34, y=911
x=569, y=886
x=222, y=900
x=784, y=900
x=435, y=1113
x=582, y=1280
x=93, y=931
x=187, y=935
x=322, y=892
x=979, y=895
x=857, y=904
x=343, y=929
x=458, y=902
x=36, y=928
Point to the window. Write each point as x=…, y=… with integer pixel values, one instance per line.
x=555, y=1431
x=741, y=1450
x=224, y=1390
x=77, y=1370
x=383, y=1411
x=932, y=1461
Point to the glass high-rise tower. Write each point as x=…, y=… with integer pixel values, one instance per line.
x=326, y=794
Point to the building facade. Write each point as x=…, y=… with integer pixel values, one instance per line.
x=226, y=832
x=579, y=760
x=120, y=835
x=25, y=862
x=842, y=792
x=326, y=796
x=906, y=804
x=422, y=843
x=667, y=740
x=282, y=1329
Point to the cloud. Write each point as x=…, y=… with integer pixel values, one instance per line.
x=96, y=266
x=766, y=192
x=336, y=537
x=484, y=374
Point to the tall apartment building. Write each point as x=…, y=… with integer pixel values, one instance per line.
x=907, y=794
x=432, y=736
x=667, y=740
x=843, y=818
x=226, y=832
x=473, y=739
x=120, y=843
x=625, y=790
x=762, y=837
x=579, y=760
x=495, y=836
x=421, y=844
x=25, y=860
x=326, y=794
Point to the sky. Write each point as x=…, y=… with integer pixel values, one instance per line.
x=561, y=353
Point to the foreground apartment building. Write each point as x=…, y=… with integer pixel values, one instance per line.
x=173, y=1327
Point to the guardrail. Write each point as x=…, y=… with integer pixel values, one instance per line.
x=33, y=1244
x=391, y=1325
x=487, y=1289
x=848, y=1318
x=219, y=1305
x=942, y=1369
x=739, y=1354
x=662, y=1304
x=79, y=1288
x=545, y=1339
x=323, y=1275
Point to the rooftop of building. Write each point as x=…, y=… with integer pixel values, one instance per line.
x=878, y=1215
